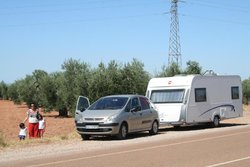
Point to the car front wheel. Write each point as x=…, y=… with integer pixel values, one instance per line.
x=123, y=132
x=85, y=137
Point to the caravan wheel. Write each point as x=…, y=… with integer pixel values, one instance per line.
x=216, y=121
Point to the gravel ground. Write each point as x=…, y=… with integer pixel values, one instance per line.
x=77, y=145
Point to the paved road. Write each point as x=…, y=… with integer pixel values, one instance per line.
x=218, y=148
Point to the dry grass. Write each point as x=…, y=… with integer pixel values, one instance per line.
x=3, y=142
x=38, y=141
x=246, y=108
x=57, y=128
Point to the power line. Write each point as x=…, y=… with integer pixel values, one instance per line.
x=202, y=18
x=80, y=20
x=227, y=7
x=73, y=8
x=68, y=3
x=82, y=10
x=103, y=18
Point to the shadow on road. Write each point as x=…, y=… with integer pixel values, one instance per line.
x=56, y=116
x=129, y=136
x=165, y=130
x=198, y=127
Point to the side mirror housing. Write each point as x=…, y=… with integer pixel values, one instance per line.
x=135, y=109
x=83, y=109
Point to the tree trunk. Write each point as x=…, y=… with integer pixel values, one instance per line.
x=63, y=112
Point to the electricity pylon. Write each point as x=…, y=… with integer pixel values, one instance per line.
x=174, y=55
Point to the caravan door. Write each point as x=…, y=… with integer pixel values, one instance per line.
x=81, y=105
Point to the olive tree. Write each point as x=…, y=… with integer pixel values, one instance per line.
x=99, y=82
x=73, y=82
x=134, y=78
x=3, y=90
x=193, y=67
x=169, y=71
x=246, y=90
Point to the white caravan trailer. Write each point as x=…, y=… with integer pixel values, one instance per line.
x=193, y=99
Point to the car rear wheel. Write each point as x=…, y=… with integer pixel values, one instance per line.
x=123, y=132
x=216, y=121
x=154, y=128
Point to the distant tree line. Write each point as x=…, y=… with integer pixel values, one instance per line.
x=59, y=90
x=246, y=90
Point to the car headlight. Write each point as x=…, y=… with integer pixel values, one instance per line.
x=110, y=119
x=80, y=119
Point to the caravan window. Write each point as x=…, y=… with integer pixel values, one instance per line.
x=235, y=92
x=167, y=96
x=200, y=94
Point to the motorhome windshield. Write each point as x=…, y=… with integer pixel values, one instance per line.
x=167, y=96
x=109, y=103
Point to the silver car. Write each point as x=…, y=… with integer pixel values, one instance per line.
x=116, y=115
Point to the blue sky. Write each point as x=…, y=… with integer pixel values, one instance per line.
x=43, y=34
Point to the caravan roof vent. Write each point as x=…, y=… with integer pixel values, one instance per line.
x=209, y=73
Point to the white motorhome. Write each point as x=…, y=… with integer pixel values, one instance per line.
x=193, y=99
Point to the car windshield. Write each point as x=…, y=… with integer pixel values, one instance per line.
x=109, y=103
x=167, y=96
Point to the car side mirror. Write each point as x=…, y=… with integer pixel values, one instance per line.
x=83, y=109
x=135, y=109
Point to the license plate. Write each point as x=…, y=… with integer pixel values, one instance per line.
x=92, y=126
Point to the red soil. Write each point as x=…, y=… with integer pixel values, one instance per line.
x=11, y=115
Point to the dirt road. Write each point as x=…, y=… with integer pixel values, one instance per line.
x=193, y=146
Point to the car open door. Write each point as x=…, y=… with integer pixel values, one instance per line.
x=81, y=105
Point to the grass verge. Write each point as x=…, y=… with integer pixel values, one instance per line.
x=3, y=142
x=39, y=141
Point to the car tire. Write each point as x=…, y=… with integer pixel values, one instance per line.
x=154, y=129
x=123, y=132
x=85, y=137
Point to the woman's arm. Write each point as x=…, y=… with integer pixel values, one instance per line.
x=26, y=117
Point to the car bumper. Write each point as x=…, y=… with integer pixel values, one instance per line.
x=97, y=128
